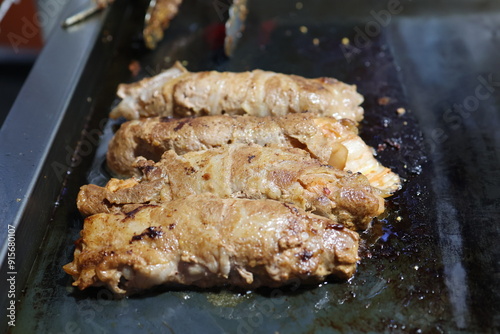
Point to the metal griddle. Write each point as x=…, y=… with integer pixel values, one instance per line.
x=434, y=267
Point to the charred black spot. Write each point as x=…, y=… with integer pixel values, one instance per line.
x=165, y=119
x=206, y=176
x=151, y=232
x=136, y=238
x=171, y=226
x=181, y=124
x=190, y=170
x=250, y=158
x=148, y=169
x=131, y=214
x=305, y=255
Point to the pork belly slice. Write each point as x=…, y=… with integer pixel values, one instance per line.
x=207, y=241
x=334, y=142
x=178, y=92
x=246, y=171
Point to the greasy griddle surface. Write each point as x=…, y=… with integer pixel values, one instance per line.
x=398, y=284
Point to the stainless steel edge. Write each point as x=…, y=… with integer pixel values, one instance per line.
x=28, y=134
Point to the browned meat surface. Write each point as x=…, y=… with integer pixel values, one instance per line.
x=207, y=241
x=332, y=141
x=247, y=171
x=257, y=93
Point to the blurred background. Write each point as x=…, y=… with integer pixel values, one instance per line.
x=25, y=25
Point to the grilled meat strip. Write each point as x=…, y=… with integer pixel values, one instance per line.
x=158, y=17
x=207, y=241
x=258, y=93
x=235, y=25
x=246, y=171
x=333, y=142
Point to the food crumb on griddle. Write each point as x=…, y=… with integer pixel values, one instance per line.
x=316, y=41
x=345, y=41
x=401, y=111
x=384, y=100
x=134, y=67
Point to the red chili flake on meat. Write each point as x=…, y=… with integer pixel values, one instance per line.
x=326, y=191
